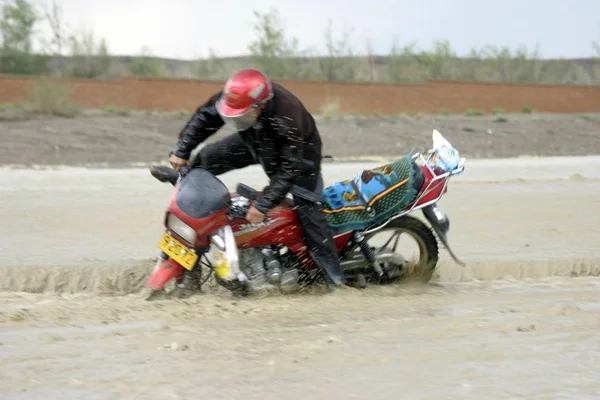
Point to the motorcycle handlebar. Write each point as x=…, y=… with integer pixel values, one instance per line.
x=240, y=211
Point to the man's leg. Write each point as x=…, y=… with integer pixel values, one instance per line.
x=225, y=155
x=319, y=240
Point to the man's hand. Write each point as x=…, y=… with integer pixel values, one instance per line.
x=177, y=162
x=254, y=216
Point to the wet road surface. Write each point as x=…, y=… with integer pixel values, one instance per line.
x=520, y=321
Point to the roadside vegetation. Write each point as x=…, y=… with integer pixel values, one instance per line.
x=81, y=54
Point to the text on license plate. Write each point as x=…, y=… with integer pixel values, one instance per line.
x=178, y=252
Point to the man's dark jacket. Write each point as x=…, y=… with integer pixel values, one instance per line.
x=285, y=141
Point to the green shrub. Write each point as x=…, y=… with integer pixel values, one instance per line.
x=51, y=98
x=474, y=113
x=116, y=110
x=527, y=109
x=330, y=109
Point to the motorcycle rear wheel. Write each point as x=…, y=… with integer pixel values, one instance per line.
x=422, y=270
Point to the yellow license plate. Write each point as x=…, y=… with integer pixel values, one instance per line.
x=178, y=252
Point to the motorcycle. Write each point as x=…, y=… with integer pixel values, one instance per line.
x=204, y=219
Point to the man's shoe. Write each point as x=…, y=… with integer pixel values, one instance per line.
x=341, y=288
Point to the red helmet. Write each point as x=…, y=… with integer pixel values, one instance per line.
x=243, y=93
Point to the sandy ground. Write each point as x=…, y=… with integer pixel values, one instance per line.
x=520, y=321
x=470, y=341
x=103, y=138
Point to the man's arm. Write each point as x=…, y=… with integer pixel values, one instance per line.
x=205, y=122
x=283, y=180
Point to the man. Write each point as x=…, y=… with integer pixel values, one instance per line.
x=275, y=130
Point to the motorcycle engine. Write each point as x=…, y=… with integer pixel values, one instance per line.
x=265, y=272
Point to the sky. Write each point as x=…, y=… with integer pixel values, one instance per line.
x=188, y=29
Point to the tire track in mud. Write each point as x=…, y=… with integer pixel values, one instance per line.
x=117, y=280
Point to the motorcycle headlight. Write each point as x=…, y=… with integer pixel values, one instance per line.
x=181, y=228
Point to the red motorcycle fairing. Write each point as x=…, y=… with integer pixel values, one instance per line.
x=166, y=271
x=282, y=228
x=204, y=226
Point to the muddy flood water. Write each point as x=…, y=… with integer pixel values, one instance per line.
x=520, y=321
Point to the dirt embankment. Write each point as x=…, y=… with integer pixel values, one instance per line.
x=144, y=137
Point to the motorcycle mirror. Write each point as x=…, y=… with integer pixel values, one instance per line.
x=246, y=191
